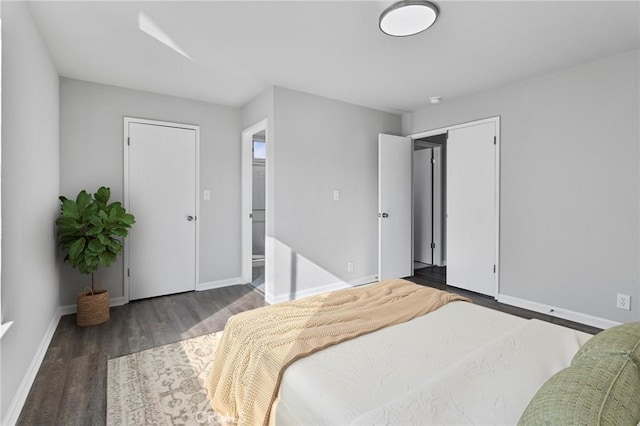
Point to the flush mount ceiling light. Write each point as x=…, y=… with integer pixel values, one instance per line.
x=408, y=17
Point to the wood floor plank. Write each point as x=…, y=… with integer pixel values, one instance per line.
x=70, y=387
x=76, y=393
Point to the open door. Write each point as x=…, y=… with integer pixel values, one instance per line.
x=472, y=208
x=394, y=206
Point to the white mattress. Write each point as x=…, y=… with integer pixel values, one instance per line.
x=379, y=377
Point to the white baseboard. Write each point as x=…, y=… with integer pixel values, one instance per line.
x=218, y=284
x=364, y=280
x=557, y=312
x=13, y=412
x=270, y=299
x=72, y=309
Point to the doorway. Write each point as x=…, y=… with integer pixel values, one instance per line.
x=159, y=263
x=470, y=213
x=428, y=201
x=254, y=204
x=258, y=210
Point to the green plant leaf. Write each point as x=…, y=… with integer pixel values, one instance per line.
x=92, y=262
x=115, y=246
x=95, y=221
x=70, y=209
x=103, y=239
x=102, y=195
x=96, y=246
x=75, y=250
x=128, y=219
x=107, y=258
x=83, y=201
x=115, y=211
x=93, y=231
x=68, y=224
x=120, y=232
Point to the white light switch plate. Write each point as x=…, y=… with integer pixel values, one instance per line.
x=206, y=195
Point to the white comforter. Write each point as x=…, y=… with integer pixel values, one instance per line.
x=462, y=364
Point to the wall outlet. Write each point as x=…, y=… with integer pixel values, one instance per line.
x=350, y=266
x=624, y=302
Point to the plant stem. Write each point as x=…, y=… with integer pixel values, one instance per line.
x=92, y=289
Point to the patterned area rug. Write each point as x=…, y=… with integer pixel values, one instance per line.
x=163, y=385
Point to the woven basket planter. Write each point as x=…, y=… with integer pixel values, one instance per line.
x=93, y=308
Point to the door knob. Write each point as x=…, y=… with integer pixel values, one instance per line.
x=190, y=218
x=383, y=215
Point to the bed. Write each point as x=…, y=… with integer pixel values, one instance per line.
x=459, y=364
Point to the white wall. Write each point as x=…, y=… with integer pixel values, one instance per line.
x=257, y=109
x=569, y=183
x=30, y=187
x=320, y=145
x=91, y=155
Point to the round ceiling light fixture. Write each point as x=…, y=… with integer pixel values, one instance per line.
x=408, y=17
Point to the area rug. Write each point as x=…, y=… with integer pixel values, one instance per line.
x=163, y=385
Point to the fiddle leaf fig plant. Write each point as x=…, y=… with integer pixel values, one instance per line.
x=89, y=230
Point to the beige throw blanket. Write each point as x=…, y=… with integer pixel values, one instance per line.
x=258, y=345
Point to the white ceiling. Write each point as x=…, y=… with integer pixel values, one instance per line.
x=329, y=48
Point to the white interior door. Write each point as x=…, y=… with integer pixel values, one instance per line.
x=162, y=194
x=423, y=205
x=471, y=208
x=394, y=207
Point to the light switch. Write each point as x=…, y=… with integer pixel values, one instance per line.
x=206, y=195
x=336, y=195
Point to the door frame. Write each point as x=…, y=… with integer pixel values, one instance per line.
x=127, y=201
x=496, y=121
x=437, y=205
x=431, y=166
x=247, y=197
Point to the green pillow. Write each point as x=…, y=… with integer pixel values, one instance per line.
x=622, y=340
x=604, y=391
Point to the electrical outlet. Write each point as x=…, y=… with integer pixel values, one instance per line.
x=624, y=302
x=350, y=266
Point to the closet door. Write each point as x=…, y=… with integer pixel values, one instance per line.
x=471, y=208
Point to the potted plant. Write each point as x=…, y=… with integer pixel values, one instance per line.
x=89, y=232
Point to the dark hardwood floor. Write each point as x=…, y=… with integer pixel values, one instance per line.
x=70, y=387
x=435, y=276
